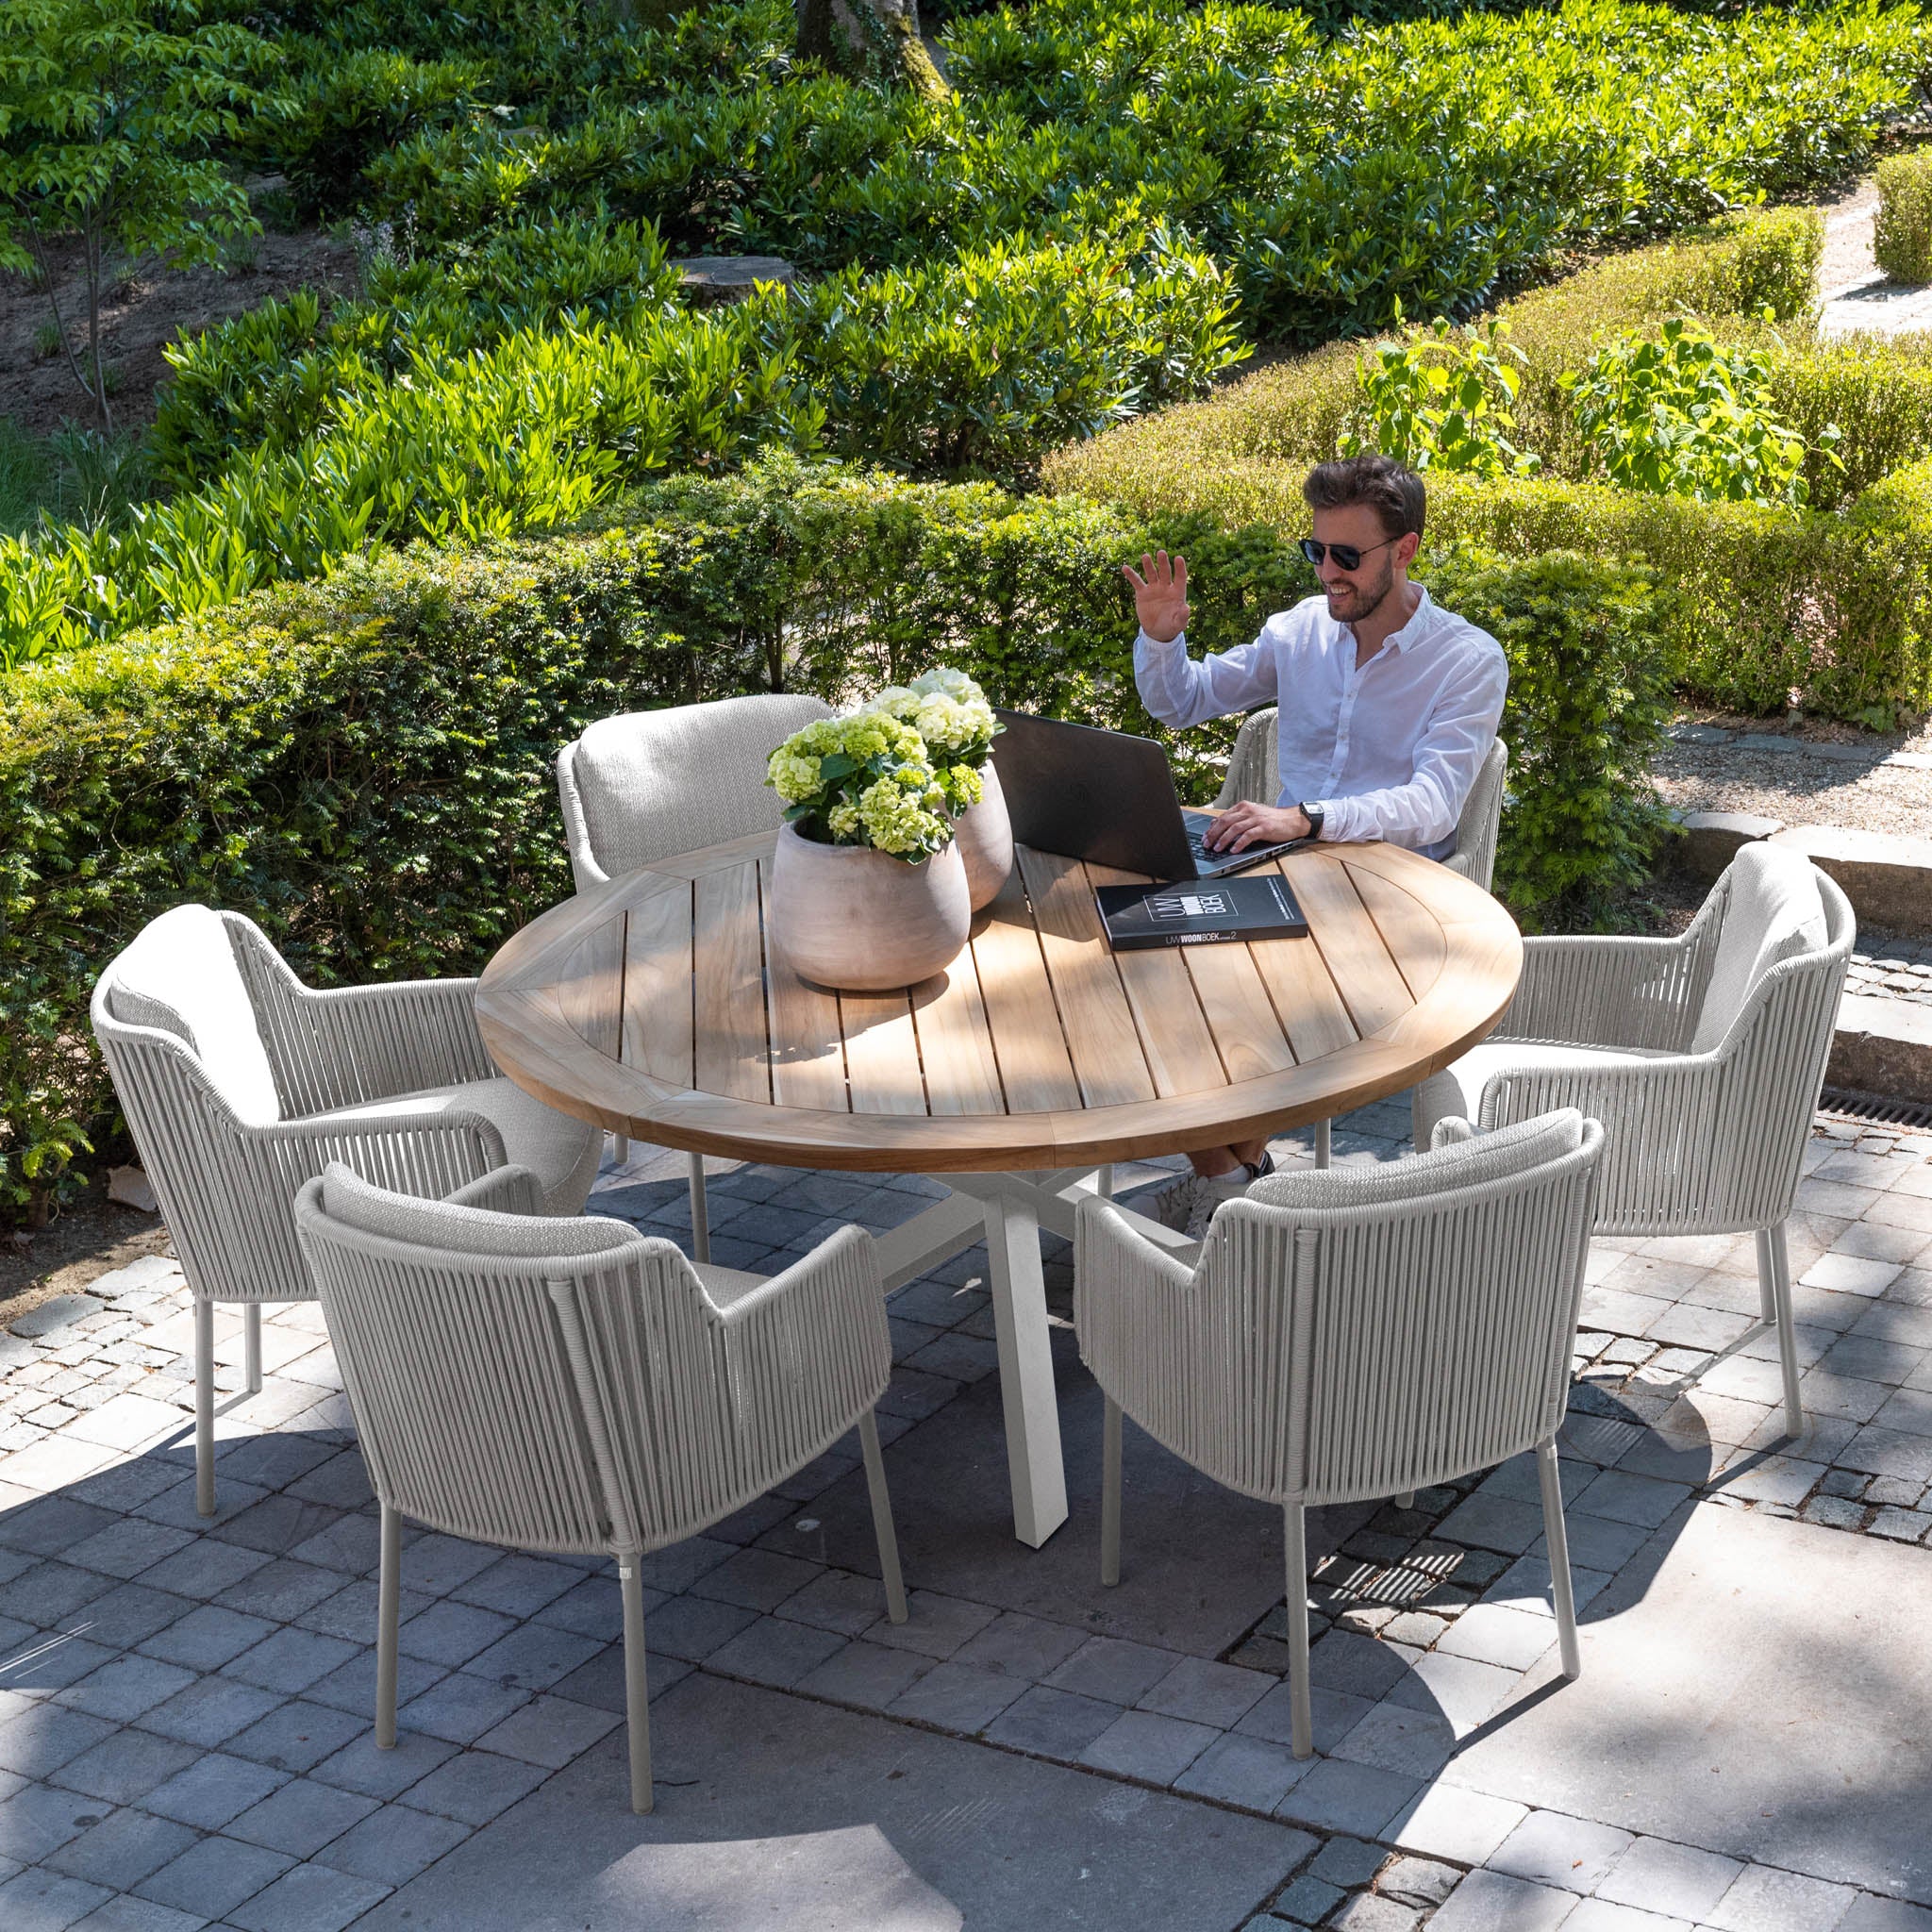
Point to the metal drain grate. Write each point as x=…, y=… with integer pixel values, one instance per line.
x=1885, y=1109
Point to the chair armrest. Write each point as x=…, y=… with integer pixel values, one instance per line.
x=1252, y=773
x=816, y=1331
x=503, y=1191
x=428, y=1155
x=1620, y=992
x=1135, y=1301
x=349, y=1045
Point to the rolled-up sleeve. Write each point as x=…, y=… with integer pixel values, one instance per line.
x=1448, y=755
x=1180, y=692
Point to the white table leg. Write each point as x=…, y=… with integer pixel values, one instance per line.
x=1034, y=1465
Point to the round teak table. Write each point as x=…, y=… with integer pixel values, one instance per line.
x=652, y=1006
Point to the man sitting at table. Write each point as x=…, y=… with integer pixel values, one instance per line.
x=1388, y=705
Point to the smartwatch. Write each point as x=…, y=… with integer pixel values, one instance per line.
x=1314, y=814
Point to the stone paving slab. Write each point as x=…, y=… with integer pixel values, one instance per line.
x=776, y=1812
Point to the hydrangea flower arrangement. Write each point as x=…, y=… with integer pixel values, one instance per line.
x=892, y=774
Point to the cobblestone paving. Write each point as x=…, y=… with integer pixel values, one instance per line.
x=1897, y=969
x=185, y=1706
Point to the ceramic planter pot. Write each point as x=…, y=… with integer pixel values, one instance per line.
x=984, y=835
x=860, y=920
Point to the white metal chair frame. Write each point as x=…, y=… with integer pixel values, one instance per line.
x=1708, y=1143
x=226, y=1185
x=729, y=742
x=577, y=1387
x=1253, y=776
x=1353, y=1334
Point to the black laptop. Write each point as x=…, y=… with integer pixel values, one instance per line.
x=1109, y=797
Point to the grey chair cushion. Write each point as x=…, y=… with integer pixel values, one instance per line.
x=347, y=1198
x=179, y=975
x=1459, y=1087
x=1774, y=913
x=561, y=1151
x=1493, y=1156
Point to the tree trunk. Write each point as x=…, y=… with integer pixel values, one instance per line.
x=94, y=251
x=875, y=38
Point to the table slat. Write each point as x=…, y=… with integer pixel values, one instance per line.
x=1235, y=998
x=1035, y=1068
x=1354, y=951
x=807, y=1050
x=1305, y=1002
x=962, y=1073
x=1413, y=933
x=881, y=1053
x=1176, y=1035
x=657, y=1034
x=1094, y=1014
x=727, y=968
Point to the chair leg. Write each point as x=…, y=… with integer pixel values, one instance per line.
x=1321, y=1142
x=251, y=1344
x=1110, y=1494
x=1557, y=1537
x=700, y=1214
x=204, y=1406
x=1767, y=1291
x=882, y=1517
x=1406, y=1500
x=1772, y=1251
x=620, y=1148
x=637, y=1689
x=388, y=1590
x=1302, y=1719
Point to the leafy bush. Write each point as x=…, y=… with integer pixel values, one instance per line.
x=363, y=763
x=1683, y=416
x=1442, y=399
x=1902, y=240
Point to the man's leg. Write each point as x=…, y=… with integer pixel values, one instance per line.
x=1213, y=1162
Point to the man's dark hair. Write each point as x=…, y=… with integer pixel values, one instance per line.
x=1391, y=490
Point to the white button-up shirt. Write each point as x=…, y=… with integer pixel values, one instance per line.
x=1389, y=748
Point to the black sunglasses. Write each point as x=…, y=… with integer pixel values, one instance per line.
x=1346, y=555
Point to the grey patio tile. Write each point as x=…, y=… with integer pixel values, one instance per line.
x=351, y=1686
x=394, y=1844
x=1114, y=1669
x=351, y=1612
x=1491, y=1901
x=42, y=1740
x=1763, y=1899
x=516, y=1584
x=207, y=1638
x=756, y=1579
x=127, y=1913
x=774, y=1651
x=1249, y=1771
x=1418, y=1881
x=214, y=1877
x=36, y=1820
x=121, y=1768
x=210, y=1711
x=1633, y=1499
x=594, y=1607
x=52, y=1590
x=534, y=1657
x=49, y=1662
x=280, y=1588
x=436, y=1564
x=1677, y=1880
x=297, y=1737
x=1141, y=1744
x=1888, y=1452
x=758, y=1518
x=1771, y=1479
x=1601, y=1915
x=1850, y=1274
x=123, y=1849
x=868, y=1674
x=1526, y=1585
x=311, y=1898
x=301, y=1818
x=1207, y=1693
x=361, y=1766
x=1870, y=1914
x=1597, y=1543
x=1487, y=1521
x=1903, y=1525
x=935, y=1626
x=1855, y=1400
x=1335, y=1713
x=212, y=1791
x=1551, y=1848
x=131, y=1613
x=1018, y=1645
x=549, y=1731
x=476, y=1786
x=1052, y=1724
x=1870, y=1357
x=1307, y=1900
x=837, y=1600
x=124, y=1687
x=353, y=1544
x=290, y=1660
x=1396, y=1737
x=460, y=1708
x=47, y=1901
x=1336, y=1796
x=1689, y=1324
x=1463, y=1689
x=277, y=1525
x=125, y=1548
x=958, y=1697
x=52, y=1522
x=1446, y=1822
x=1492, y=1635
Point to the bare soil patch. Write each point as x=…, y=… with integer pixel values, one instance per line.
x=87, y=1238
x=146, y=304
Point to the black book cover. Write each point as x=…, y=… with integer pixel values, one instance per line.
x=1198, y=912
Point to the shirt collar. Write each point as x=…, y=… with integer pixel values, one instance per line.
x=1418, y=625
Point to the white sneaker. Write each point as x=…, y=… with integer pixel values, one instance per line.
x=1208, y=1195
x=1173, y=1205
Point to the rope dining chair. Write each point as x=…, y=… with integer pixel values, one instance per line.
x=1703, y=1057
x=239, y=1084
x=573, y=1386
x=647, y=785
x=1352, y=1334
x=1254, y=775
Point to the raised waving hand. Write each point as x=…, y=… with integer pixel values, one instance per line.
x=1160, y=594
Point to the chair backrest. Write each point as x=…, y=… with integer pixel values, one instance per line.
x=179, y=975
x=1254, y=774
x=1773, y=910
x=1355, y=1332
x=649, y=784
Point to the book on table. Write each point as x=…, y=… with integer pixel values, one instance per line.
x=1199, y=912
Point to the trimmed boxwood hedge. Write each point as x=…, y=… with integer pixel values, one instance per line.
x=362, y=763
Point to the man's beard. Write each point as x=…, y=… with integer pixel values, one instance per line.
x=1363, y=601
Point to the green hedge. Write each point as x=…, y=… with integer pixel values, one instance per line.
x=362, y=763
x=1902, y=238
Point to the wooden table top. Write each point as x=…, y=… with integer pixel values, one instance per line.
x=651, y=1006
